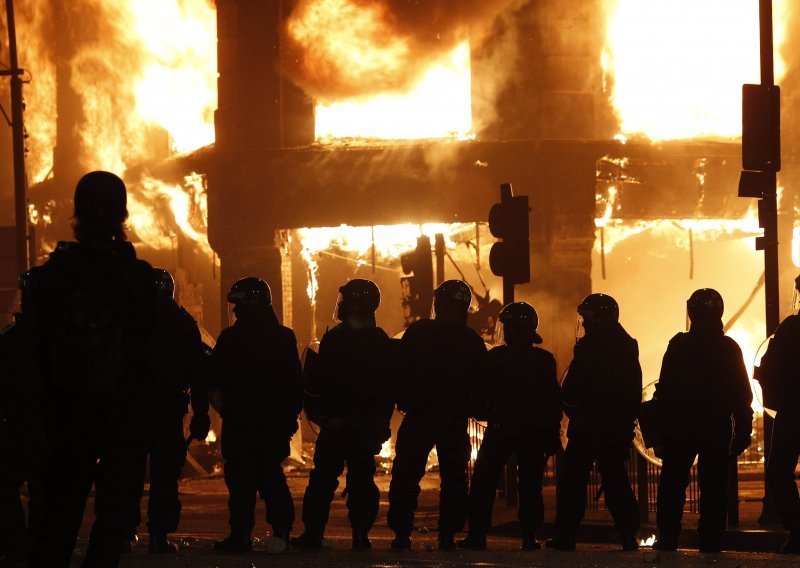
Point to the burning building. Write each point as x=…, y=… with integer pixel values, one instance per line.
x=310, y=141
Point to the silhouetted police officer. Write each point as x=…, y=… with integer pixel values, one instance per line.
x=443, y=357
x=95, y=310
x=703, y=385
x=780, y=382
x=22, y=437
x=175, y=358
x=523, y=398
x=256, y=368
x=354, y=403
x=601, y=393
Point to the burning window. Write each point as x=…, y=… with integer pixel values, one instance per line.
x=675, y=68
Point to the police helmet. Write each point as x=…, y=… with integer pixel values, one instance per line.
x=705, y=304
x=250, y=291
x=599, y=309
x=360, y=295
x=165, y=284
x=455, y=293
x=519, y=316
x=101, y=197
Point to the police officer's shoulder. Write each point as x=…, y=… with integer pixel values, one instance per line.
x=287, y=334
x=186, y=315
x=419, y=327
x=543, y=354
x=679, y=339
x=789, y=327
x=732, y=344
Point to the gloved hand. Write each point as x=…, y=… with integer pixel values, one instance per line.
x=739, y=444
x=199, y=426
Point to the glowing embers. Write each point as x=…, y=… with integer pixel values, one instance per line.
x=439, y=105
x=675, y=68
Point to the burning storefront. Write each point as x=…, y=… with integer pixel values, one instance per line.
x=312, y=141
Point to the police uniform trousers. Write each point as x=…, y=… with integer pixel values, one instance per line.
x=167, y=450
x=92, y=440
x=254, y=453
x=781, y=479
x=710, y=446
x=341, y=442
x=23, y=447
x=498, y=445
x=417, y=436
x=584, y=450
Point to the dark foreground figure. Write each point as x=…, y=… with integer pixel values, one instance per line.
x=256, y=370
x=442, y=360
x=349, y=396
x=175, y=358
x=95, y=308
x=22, y=438
x=780, y=382
x=703, y=387
x=523, y=407
x=601, y=393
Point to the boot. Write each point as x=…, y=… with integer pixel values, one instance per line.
x=666, y=544
x=234, y=544
x=401, y=541
x=447, y=542
x=473, y=542
x=630, y=543
x=792, y=544
x=361, y=540
x=308, y=540
x=529, y=541
x=160, y=545
x=278, y=542
x=561, y=543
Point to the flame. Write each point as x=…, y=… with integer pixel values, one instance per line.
x=676, y=67
x=211, y=438
x=387, y=450
x=618, y=231
x=390, y=241
x=40, y=94
x=649, y=541
x=439, y=105
x=187, y=206
x=177, y=89
x=796, y=245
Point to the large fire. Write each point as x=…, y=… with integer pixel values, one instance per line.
x=438, y=106
x=675, y=68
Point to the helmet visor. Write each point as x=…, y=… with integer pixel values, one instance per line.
x=231, y=314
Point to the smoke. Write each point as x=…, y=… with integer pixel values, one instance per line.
x=344, y=49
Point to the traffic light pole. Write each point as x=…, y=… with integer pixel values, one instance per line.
x=18, y=142
x=769, y=211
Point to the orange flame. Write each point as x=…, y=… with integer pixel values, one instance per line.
x=676, y=67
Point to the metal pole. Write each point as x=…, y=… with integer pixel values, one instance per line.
x=770, y=207
x=18, y=142
x=439, y=251
x=511, y=466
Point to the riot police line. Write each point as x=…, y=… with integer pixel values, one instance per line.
x=102, y=364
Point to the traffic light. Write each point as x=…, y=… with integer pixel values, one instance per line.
x=417, y=289
x=761, y=128
x=509, y=221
